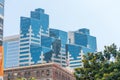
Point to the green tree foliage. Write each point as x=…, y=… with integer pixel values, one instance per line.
x=99, y=66
x=32, y=78
x=21, y=79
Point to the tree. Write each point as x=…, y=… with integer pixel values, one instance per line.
x=22, y=78
x=32, y=78
x=99, y=66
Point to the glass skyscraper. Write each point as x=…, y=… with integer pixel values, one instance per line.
x=59, y=46
x=11, y=51
x=31, y=31
x=1, y=20
x=39, y=44
x=80, y=43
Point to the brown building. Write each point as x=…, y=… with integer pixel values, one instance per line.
x=48, y=71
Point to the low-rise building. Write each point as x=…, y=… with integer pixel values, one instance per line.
x=48, y=71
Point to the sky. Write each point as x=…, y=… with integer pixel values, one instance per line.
x=102, y=17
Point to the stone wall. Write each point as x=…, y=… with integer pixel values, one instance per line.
x=47, y=71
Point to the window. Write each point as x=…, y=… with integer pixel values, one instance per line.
x=2, y=1
x=27, y=74
x=19, y=75
x=48, y=72
x=10, y=76
x=1, y=20
x=2, y=12
x=38, y=73
x=42, y=73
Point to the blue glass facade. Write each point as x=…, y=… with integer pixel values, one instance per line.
x=41, y=44
x=34, y=31
x=43, y=19
x=58, y=34
x=11, y=51
x=59, y=46
x=2, y=2
x=84, y=31
x=75, y=53
x=30, y=35
x=2, y=7
x=82, y=37
x=80, y=43
x=48, y=40
x=5, y=54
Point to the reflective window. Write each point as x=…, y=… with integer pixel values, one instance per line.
x=24, y=56
x=24, y=60
x=1, y=31
x=26, y=52
x=1, y=20
x=1, y=11
x=2, y=1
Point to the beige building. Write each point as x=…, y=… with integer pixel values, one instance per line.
x=48, y=71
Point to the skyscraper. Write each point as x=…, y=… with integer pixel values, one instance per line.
x=82, y=37
x=1, y=37
x=31, y=30
x=1, y=20
x=37, y=43
x=80, y=43
x=41, y=44
x=59, y=46
x=11, y=51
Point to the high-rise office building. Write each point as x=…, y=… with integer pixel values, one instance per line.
x=1, y=37
x=59, y=46
x=1, y=20
x=11, y=51
x=31, y=30
x=80, y=43
x=82, y=37
x=38, y=43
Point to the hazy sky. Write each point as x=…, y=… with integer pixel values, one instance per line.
x=102, y=17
